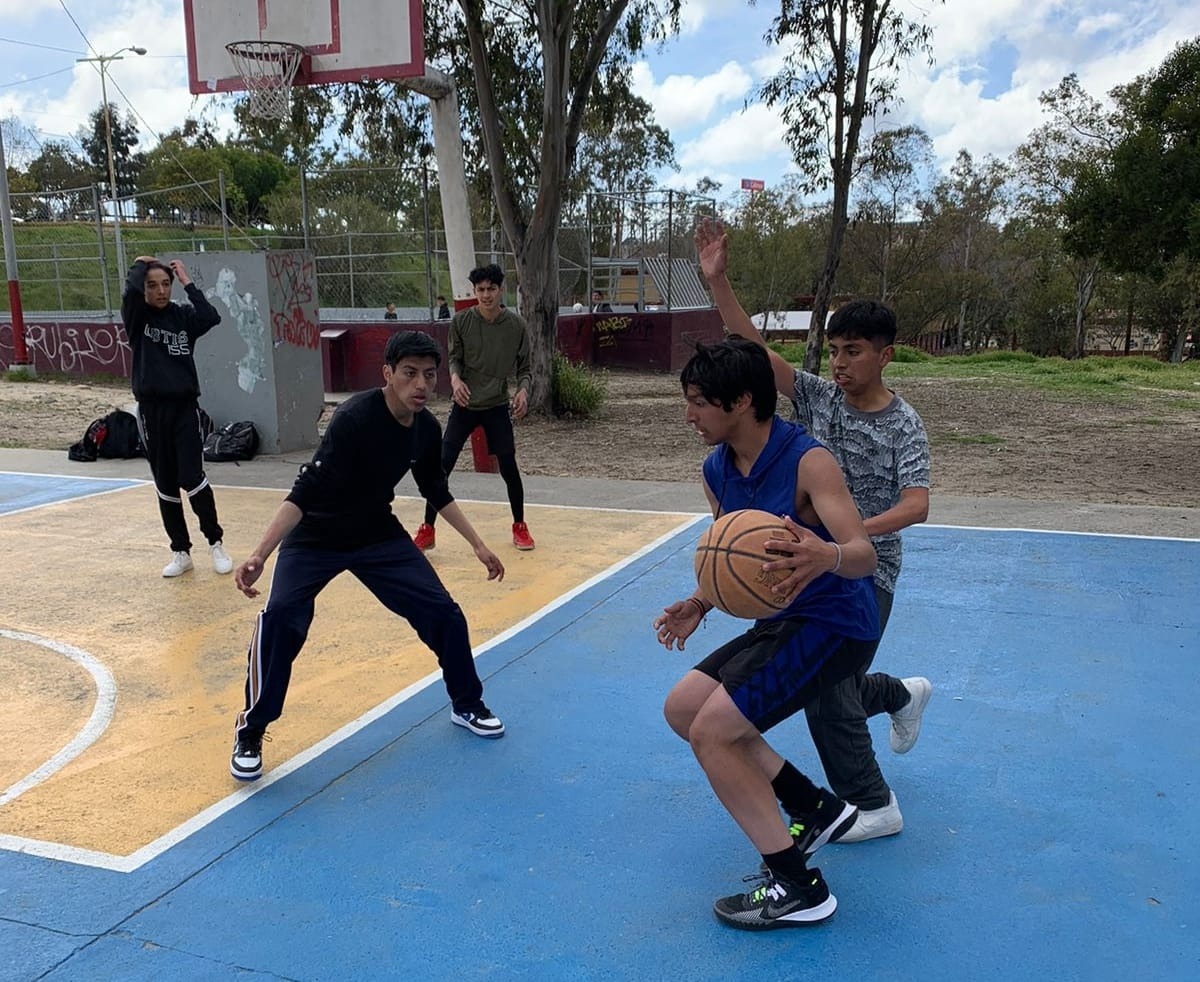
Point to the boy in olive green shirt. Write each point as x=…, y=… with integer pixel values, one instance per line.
x=488, y=345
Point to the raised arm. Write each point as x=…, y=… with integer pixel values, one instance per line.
x=204, y=316
x=712, y=249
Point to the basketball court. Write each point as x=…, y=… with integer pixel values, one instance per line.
x=1049, y=802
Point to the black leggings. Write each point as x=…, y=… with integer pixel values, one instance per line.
x=497, y=427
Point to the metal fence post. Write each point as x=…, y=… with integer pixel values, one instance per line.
x=103, y=253
x=304, y=203
x=224, y=212
x=428, y=239
x=670, y=240
x=350, y=263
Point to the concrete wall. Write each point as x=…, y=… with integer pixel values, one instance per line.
x=263, y=361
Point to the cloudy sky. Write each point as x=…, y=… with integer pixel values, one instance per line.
x=992, y=58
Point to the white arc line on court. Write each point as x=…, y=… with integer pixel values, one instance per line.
x=102, y=712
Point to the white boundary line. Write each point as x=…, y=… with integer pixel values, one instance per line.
x=74, y=497
x=132, y=862
x=1096, y=535
x=102, y=712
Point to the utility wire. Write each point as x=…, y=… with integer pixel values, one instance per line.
x=36, y=78
x=47, y=47
x=142, y=119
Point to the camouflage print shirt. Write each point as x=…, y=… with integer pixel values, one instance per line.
x=881, y=453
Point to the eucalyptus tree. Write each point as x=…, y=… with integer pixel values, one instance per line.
x=840, y=67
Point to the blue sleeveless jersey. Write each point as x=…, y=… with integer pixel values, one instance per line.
x=846, y=607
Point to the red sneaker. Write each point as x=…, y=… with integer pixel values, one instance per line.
x=521, y=537
x=426, y=537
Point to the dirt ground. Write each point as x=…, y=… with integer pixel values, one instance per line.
x=987, y=438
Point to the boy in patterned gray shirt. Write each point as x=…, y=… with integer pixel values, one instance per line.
x=880, y=443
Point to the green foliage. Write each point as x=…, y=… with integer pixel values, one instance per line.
x=1139, y=206
x=1105, y=377
x=907, y=354
x=577, y=390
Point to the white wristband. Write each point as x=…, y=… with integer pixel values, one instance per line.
x=838, y=562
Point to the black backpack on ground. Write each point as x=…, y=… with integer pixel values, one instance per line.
x=233, y=441
x=114, y=437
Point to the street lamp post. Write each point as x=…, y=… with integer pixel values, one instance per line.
x=113, y=193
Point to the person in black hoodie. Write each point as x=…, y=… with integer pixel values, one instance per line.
x=162, y=335
x=338, y=517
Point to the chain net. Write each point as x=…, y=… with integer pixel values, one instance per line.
x=268, y=69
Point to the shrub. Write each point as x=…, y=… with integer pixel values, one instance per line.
x=576, y=390
x=906, y=353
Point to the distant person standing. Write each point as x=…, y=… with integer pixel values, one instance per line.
x=390, y=314
x=599, y=304
x=488, y=345
x=443, y=308
x=162, y=335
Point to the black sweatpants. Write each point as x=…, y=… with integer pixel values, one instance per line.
x=837, y=720
x=174, y=446
x=399, y=576
x=497, y=427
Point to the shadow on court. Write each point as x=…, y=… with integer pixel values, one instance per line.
x=1050, y=806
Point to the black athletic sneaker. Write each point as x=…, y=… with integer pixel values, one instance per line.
x=832, y=819
x=246, y=762
x=778, y=903
x=482, y=722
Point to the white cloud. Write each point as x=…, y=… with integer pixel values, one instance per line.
x=16, y=12
x=696, y=13
x=682, y=101
x=741, y=139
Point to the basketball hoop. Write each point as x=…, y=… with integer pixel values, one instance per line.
x=268, y=68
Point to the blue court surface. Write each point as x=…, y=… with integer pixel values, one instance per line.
x=1051, y=806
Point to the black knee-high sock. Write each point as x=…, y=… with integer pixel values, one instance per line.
x=788, y=864
x=797, y=794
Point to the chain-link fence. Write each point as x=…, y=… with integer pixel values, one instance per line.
x=376, y=234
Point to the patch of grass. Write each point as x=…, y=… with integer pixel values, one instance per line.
x=988, y=439
x=1096, y=376
x=906, y=354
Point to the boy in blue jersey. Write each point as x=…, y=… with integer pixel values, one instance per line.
x=879, y=441
x=773, y=671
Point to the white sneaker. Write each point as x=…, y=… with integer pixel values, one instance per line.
x=906, y=722
x=874, y=823
x=483, y=722
x=180, y=563
x=220, y=558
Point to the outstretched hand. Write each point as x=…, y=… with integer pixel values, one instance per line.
x=245, y=576
x=712, y=247
x=676, y=623
x=807, y=557
x=489, y=559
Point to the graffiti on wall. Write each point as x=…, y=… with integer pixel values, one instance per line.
x=293, y=277
x=243, y=308
x=73, y=349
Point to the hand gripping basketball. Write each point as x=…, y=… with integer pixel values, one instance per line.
x=730, y=560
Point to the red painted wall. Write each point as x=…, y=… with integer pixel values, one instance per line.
x=654, y=341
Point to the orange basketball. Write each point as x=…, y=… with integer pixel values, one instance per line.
x=729, y=560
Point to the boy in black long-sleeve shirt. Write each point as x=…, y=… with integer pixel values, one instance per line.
x=162, y=336
x=338, y=517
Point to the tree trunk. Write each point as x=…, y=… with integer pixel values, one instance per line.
x=537, y=295
x=833, y=258
x=1129, y=325
x=1085, y=282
